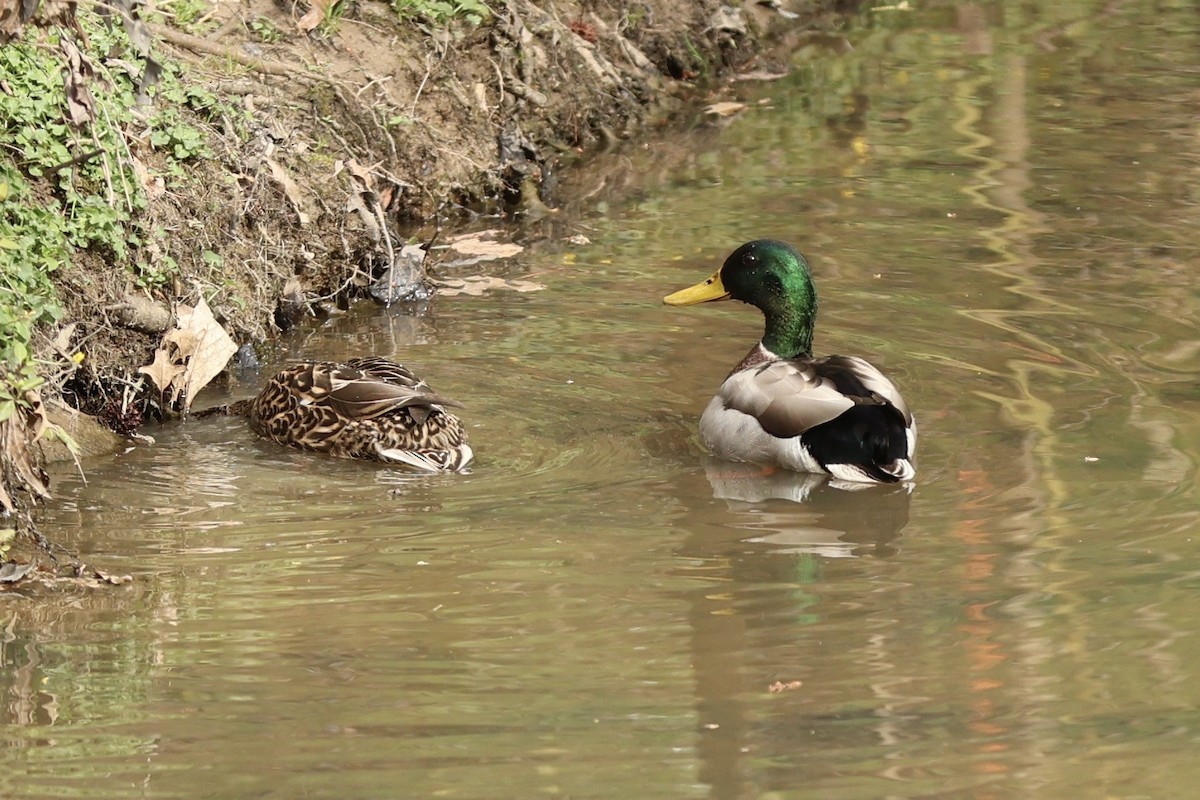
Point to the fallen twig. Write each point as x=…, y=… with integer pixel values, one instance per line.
x=196, y=44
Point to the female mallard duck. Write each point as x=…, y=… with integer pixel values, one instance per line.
x=780, y=406
x=368, y=408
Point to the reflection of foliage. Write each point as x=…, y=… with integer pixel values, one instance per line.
x=48, y=676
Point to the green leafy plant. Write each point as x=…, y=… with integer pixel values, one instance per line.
x=332, y=20
x=182, y=141
x=698, y=59
x=184, y=13
x=7, y=537
x=157, y=274
x=441, y=12
x=265, y=31
x=33, y=245
x=66, y=189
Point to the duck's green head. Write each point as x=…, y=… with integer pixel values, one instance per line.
x=772, y=276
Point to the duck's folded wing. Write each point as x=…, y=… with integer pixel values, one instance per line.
x=389, y=371
x=386, y=370
x=786, y=397
x=357, y=394
x=860, y=380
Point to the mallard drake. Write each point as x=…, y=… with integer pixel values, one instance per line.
x=781, y=406
x=369, y=408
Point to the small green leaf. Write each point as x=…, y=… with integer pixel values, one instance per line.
x=57, y=432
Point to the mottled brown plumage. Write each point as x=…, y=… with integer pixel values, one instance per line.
x=369, y=408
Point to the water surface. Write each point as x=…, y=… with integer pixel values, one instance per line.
x=1000, y=204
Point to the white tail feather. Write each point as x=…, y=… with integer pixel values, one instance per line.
x=409, y=457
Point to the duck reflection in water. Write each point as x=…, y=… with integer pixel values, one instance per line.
x=800, y=512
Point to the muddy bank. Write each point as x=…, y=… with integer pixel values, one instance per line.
x=305, y=149
x=372, y=129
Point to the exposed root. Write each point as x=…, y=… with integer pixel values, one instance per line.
x=210, y=48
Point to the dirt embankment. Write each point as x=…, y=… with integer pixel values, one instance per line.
x=305, y=148
x=369, y=128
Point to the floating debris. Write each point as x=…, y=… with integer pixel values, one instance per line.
x=760, y=75
x=483, y=246
x=779, y=686
x=726, y=108
x=476, y=285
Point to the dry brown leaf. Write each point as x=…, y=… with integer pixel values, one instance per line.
x=356, y=204
x=38, y=420
x=314, y=16
x=154, y=185
x=725, y=108
x=483, y=246
x=386, y=195
x=62, y=339
x=192, y=354
x=11, y=20
x=360, y=172
x=24, y=425
x=163, y=371
x=208, y=349
x=181, y=342
x=15, y=13
x=363, y=201
x=293, y=290
x=81, y=107
x=115, y=580
x=292, y=190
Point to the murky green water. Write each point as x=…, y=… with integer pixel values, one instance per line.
x=1001, y=204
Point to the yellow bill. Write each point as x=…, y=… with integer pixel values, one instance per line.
x=711, y=289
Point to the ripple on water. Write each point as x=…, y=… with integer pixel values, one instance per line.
x=594, y=604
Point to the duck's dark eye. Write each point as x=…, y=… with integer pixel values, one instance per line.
x=749, y=259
